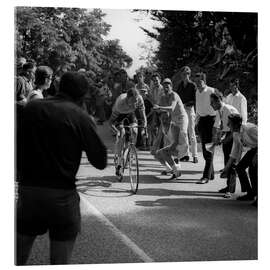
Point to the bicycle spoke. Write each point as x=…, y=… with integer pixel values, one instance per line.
x=133, y=169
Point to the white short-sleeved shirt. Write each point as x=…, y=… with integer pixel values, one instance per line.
x=203, y=106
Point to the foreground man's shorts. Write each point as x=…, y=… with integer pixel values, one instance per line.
x=43, y=209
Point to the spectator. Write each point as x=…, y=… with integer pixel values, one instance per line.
x=205, y=118
x=155, y=92
x=25, y=82
x=244, y=135
x=141, y=85
x=19, y=68
x=156, y=88
x=237, y=99
x=143, y=90
x=122, y=84
x=43, y=79
x=173, y=145
x=187, y=92
x=171, y=102
x=54, y=132
x=145, y=142
x=101, y=93
x=222, y=135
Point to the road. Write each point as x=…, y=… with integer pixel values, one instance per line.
x=167, y=221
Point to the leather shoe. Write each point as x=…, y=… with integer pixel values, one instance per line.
x=247, y=197
x=255, y=202
x=175, y=175
x=195, y=160
x=185, y=158
x=223, y=190
x=176, y=160
x=203, y=180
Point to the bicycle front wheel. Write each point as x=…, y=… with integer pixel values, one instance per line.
x=133, y=166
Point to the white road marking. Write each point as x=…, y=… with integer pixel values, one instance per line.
x=127, y=241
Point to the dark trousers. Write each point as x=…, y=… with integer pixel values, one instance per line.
x=251, y=186
x=227, y=147
x=205, y=127
x=100, y=109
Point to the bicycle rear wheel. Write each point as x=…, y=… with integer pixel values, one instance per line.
x=133, y=166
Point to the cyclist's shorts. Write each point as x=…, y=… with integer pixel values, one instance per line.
x=43, y=209
x=125, y=119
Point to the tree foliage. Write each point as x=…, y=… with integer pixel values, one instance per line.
x=67, y=36
x=181, y=33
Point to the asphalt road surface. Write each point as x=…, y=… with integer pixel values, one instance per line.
x=166, y=221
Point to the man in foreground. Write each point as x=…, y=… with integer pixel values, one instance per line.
x=52, y=136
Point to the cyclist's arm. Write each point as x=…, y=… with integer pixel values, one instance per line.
x=112, y=120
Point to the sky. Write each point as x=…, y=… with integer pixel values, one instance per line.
x=125, y=28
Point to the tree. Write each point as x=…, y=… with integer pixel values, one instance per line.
x=181, y=34
x=67, y=36
x=114, y=57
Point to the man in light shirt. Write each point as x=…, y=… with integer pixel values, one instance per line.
x=237, y=99
x=222, y=135
x=244, y=135
x=205, y=118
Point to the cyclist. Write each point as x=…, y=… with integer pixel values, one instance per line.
x=124, y=109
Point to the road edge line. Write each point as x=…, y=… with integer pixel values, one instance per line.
x=127, y=241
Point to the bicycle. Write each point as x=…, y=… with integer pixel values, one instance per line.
x=129, y=158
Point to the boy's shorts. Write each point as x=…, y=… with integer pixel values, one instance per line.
x=43, y=209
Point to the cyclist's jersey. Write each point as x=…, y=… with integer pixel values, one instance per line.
x=121, y=107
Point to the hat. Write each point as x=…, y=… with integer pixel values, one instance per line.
x=167, y=80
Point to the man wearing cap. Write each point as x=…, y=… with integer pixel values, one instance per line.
x=53, y=134
x=205, y=118
x=171, y=102
x=187, y=92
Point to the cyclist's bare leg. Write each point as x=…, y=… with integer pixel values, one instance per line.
x=134, y=133
x=119, y=143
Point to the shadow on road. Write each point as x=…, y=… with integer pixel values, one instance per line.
x=207, y=203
